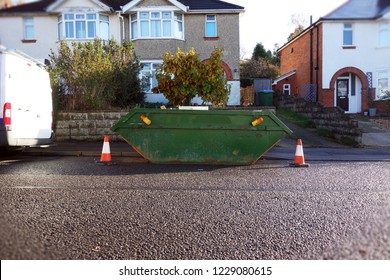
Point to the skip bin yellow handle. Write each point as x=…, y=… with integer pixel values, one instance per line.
x=257, y=121
x=146, y=120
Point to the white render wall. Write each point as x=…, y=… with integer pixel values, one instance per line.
x=45, y=35
x=367, y=56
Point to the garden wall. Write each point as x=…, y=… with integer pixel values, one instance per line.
x=342, y=126
x=89, y=126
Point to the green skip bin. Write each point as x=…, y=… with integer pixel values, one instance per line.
x=225, y=137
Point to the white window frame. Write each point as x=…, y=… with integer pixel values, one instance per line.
x=383, y=34
x=98, y=24
x=28, y=28
x=149, y=74
x=383, y=78
x=211, y=21
x=287, y=89
x=143, y=25
x=348, y=27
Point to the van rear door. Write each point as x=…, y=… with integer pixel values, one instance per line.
x=29, y=92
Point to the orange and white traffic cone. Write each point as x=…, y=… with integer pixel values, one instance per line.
x=299, y=159
x=106, y=153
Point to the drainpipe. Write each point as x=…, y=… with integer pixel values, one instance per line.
x=123, y=26
x=317, y=63
x=311, y=51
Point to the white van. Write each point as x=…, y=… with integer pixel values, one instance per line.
x=26, y=108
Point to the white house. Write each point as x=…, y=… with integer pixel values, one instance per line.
x=344, y=57
x=155, y=27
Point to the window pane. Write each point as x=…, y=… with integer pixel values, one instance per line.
x=167, y=29
x=146, y=66
x=91, y=16
x=104, y=31
x=133, y=17
x=104, y=18
x=60, y=31
x=211, y=29
x=144, y=28
x=28, y=21
x=166, y=15
x=347, y=38
x=69, y=16
x=384, y=34
x=383, y=86
x=144, y=15
x=178, y=17
x=29, y=32
x=178, y=30
x=69, y=30
x=80, y=29
x=29, y=28
x=91, y=29
x=156, y=28
x=80, y=16
x=155, y=15
x=134, y=30
x=210, y=18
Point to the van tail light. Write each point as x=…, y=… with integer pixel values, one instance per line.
x=7, y=114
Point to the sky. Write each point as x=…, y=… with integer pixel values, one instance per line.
x=269, y=22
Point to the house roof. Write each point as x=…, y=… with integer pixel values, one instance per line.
x=360, y=9
x=210, y=5
x=284, y=76
x=194, y=5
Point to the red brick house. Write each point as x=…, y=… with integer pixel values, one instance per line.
x=341, y=60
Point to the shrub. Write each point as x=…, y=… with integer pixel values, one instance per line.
x=182, y=76
x=95, y=75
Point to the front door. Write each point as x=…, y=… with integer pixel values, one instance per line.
x=342, y=91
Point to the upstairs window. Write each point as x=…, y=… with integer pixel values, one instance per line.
x=29, y=30
x=347, y=35
x=83, y=26
x=156, y=24
x=211, y=26
x=384, y=34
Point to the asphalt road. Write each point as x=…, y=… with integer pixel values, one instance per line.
x=72, y=208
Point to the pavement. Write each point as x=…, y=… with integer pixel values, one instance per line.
x=376, y=147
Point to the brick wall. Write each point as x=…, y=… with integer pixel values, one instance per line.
x=296, y=56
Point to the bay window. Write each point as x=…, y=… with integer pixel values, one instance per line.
x=156, y=24
x=83, y=26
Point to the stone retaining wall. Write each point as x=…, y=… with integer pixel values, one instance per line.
x=86, y=126
x=342, y=126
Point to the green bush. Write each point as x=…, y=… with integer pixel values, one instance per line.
x=95, y=75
